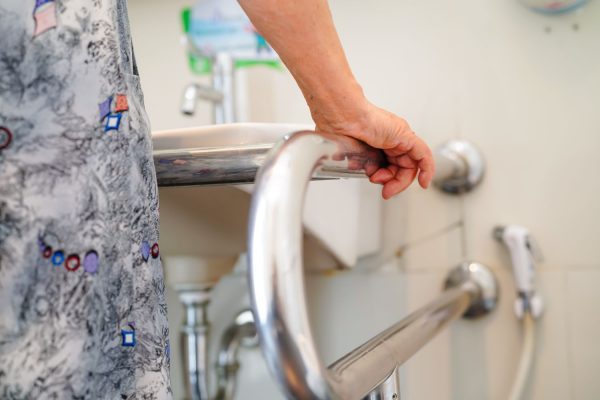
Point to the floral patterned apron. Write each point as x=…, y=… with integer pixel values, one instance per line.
x=82, y=307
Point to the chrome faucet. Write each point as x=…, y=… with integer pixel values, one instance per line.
x=221, y=94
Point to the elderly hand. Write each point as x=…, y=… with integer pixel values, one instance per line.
x=408, y=155
x=303, y=34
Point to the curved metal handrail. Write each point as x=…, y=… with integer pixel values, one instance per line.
x=277, y=288
x=275, y=254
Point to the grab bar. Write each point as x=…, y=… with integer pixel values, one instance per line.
x=277, y=291
x=239, y=164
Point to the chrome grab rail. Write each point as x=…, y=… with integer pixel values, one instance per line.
x=239, y=164
x=277, y=288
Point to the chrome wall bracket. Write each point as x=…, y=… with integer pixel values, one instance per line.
x=389, y=389
x=486, y=298
x=460, y=166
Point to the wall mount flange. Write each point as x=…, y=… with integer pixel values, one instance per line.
x=460, y=166
x=487, y=297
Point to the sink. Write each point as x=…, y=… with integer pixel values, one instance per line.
x=205, y=197
x=226, y=135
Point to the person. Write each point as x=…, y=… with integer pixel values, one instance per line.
x=82, y=306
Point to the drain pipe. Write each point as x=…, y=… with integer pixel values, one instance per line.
x=195, y=333
x=241, y=333
x=194, y=339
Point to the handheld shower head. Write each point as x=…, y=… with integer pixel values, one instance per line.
x=523, y=253
x=498, y=232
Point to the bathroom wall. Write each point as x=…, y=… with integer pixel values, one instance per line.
x=526, y=89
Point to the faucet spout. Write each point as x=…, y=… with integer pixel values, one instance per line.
x=221, y=93
x=195, y=91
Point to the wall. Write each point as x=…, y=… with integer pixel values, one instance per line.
x=526, y=89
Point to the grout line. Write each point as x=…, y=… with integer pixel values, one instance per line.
x=429, y=237
x=570, y=358
x=577, y=268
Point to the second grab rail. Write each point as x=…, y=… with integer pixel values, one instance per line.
x=277, y=288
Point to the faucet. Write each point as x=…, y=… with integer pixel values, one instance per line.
x=221, y=93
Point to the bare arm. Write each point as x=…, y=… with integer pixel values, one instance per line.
x=303, y=34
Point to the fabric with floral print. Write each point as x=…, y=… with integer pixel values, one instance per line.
x=82, y=310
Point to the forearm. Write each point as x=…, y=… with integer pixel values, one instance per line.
x=303, y=34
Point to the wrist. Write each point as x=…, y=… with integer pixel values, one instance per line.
x=338, y=109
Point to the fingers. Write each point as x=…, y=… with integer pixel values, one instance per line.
x=383, y=175
x=425, y=178
x=401, y=181
x=404, y=161
x=408, y=155
x=395, y=178
x=412, y=152
x=371, y=168
x=421, y=153
x=403, y=169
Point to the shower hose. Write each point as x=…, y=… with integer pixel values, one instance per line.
x=526, y=358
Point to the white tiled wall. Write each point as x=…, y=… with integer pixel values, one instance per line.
x=526, y=89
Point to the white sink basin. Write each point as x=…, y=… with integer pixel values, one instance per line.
x=226, y=135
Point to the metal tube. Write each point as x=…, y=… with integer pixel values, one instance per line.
x=239, y=164
x=221, y=93
x=233, y=338
x=223, y=77
x=389, y=389
x=363, y=368
x=275, y=253
x=194, y=339
x=276, y=279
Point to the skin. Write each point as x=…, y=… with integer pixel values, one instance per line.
x=303, y=34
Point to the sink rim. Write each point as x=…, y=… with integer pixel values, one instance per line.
x=222, y=136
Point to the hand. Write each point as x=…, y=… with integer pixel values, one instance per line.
x=303, y=34
x=407, y=154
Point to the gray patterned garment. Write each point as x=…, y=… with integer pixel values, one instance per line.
x=82, y=309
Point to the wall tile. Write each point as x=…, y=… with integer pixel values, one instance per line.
x=485, y=353
x=156, y=31
x=476, y=360
x=350, y=307
x=427, y=375
x=551, y=374
x=583, y=320
x=441, y=252
x=535, y=119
